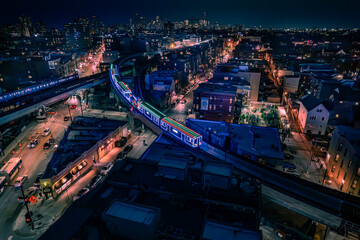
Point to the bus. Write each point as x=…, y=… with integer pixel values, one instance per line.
x=11, y=168
x=2, y=184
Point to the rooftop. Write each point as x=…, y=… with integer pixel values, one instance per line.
x=131, y=212
x=82, y=134
x=310, y=102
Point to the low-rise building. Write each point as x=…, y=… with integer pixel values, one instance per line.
x=343, y=159
x=215, y=102
x=313, y=116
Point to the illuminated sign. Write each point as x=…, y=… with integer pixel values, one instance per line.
x=204, y=103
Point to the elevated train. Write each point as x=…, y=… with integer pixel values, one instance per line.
x=32, y=89
x=165, y=123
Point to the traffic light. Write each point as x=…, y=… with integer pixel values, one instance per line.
x=28, y=217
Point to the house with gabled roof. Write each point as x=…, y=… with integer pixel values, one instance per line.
x=313, y=116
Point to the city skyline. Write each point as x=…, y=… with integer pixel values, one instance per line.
x=278, y=14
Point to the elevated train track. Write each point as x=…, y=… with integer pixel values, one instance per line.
x=338, y=210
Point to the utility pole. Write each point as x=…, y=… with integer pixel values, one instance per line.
x=70, y=113
x=28, y=213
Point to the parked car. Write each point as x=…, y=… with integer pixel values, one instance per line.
x=173, y=105
x=292, y=171
x=177, y=100
x=81, y=193
x=31, y=191
x=46, y=132
x=66, y=118
x=183, y=101
x=106, y=169
x=318, y=141
x=288, y=165
x=37, y=180
x=20, y=181
x=323, y=149
x=73, y=106
x=121, y=156
x=33, y=143
x=128, y=148
x=288, y=156
x=46, y=145
x=95, y=181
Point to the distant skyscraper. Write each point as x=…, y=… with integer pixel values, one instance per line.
x=94, y=25
x=25, y=24
x=77, y=34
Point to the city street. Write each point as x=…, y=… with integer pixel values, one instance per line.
x=34, y=161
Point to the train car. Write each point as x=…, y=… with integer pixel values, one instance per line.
x=181, y=132
x=151, y=112
x=29, y=90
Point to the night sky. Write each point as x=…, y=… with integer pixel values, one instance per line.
x=267, y=13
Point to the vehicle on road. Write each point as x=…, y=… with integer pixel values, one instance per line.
x=66, y=118
x=121, y=156
x=20, y=181
x=11, y=168
x=177, y=100
x=30, y=192
x=33, y=143
x=288, y=156
x=46, y=132
x=292, y=172
x=95, y=181
x=81, y=193
x=128, y=148
x=46, y=145
x=173, y=105
x=288, y=165
x=37, y=180
x=183, y=101
x=2, y=184
x=73, y=106
x=106, y=169
x=323, y=149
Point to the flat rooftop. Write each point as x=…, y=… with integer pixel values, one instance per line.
x=82, y=134
x=131, y=212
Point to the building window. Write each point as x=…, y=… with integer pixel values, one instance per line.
x=342, y=162
x=340, y=147
x=229, y=108
x=214, y=98
x=337, y=115
x=214, y=107
x=345, y=152
x=210, y=98
x=336, y=157
x=349, y=163
x=354, y=183
x=333, y=168
x=230, y=100
x=338, y=175
x=345, y=176
x=323, y=118
x=220, y=107
x=210, y=107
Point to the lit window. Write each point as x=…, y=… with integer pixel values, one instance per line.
x=353, y=185
x=336, y=157
x=337, y=115
x=333, y=168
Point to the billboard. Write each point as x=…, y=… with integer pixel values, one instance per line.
x=204, y=103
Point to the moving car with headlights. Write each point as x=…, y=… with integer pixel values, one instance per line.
x=33, y=143
x=46, y=132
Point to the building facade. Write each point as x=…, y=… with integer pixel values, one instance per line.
x=343, y=160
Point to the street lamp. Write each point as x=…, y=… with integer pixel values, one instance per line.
x=70, y=112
